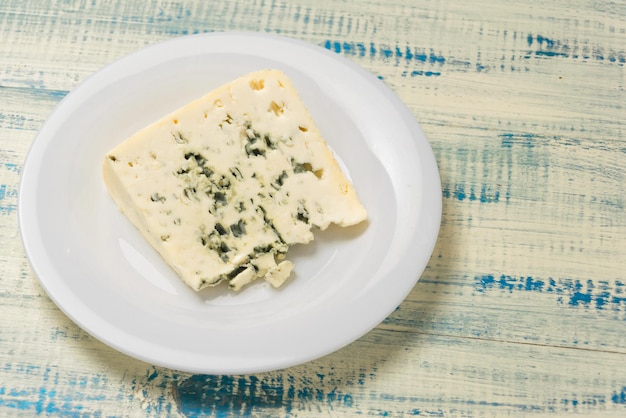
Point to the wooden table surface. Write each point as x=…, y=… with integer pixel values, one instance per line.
x=522, y=308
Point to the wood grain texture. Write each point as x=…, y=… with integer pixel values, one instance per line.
x=522, y=309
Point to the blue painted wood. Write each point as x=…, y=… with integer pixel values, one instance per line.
x=522, y=309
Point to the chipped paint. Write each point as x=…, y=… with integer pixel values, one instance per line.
x=522, y=310
x=597, y=294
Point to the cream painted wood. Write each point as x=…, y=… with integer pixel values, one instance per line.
x=522, y=309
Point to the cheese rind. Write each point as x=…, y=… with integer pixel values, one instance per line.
x=224, y=185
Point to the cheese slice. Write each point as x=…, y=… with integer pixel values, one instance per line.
x=224, y=185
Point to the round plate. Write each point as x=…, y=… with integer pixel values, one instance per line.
x=106, y=278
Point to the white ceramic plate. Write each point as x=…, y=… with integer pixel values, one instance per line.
x=100, y=272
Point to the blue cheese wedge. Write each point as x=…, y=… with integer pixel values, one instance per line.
x=223, y=186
